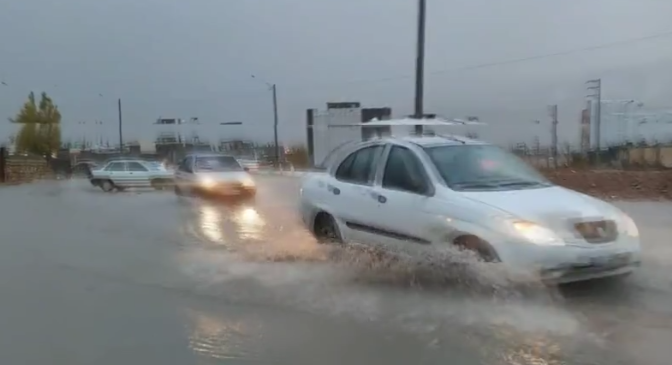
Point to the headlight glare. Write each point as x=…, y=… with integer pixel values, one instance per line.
x=207, y=183
x=536, y=234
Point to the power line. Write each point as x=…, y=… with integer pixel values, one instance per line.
x=523, y=59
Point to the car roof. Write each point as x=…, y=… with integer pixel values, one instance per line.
x=209, y=155
x=127, y=160
x=439, y=140
x=429, y=141
x=422, y=141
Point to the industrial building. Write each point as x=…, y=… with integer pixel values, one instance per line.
x=326, y=130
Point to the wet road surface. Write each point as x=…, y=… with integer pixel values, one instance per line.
x=146, y=277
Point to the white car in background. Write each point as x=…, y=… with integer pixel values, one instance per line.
x=120, y=174
x=422, y=194
x=213, y=174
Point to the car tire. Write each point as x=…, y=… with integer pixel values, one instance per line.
x=177, y=190
x=482, y=249
x=107, y=186
x=326, y=230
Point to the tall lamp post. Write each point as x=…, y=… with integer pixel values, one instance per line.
x=276, y=146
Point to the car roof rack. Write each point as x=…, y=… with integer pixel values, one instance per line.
x=452, y=138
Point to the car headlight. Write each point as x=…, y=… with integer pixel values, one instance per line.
x=248, y=183
x=536, y=234
x=628, y=225
x=207, y=183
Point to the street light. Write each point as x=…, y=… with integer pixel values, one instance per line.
x=273, y=88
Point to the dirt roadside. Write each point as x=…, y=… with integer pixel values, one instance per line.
x=616, y=184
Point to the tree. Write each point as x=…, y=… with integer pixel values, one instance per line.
x=40, y=127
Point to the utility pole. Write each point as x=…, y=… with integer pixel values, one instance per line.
x=121, y=138
x=553, y=111
x=420, y=65
x=596, y=87
x=276, y=145
x=275, y=126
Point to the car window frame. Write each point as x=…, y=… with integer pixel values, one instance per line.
x=431, y=188
x=128, y=165
x=122, y=163
x=372, y=174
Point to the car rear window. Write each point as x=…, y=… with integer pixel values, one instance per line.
x=217, y=163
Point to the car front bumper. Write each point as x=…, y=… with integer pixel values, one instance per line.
x=575, y=262
x=225, y=189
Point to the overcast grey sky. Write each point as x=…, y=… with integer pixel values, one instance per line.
x=194, y=58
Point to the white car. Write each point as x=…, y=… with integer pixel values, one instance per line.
x=120, y=174
x=213, y=174
x=420, y=194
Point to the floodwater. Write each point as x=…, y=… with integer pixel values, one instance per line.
x=147, y=277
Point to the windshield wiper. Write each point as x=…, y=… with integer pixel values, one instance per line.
x=511, y=183
x=475, y=185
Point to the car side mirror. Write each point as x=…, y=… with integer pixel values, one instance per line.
x=246, y=168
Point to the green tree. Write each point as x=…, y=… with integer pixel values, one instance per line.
x=40, y=127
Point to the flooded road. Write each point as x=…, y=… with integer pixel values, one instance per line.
x=146, y=277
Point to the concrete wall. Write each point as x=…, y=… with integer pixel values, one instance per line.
x=660, y=157
x=21, y=169
x=649, y=156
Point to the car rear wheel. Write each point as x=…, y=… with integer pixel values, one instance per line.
x=326, y=230
x=482, y=249
x=177, y=190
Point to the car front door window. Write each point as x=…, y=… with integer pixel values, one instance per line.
x=404, y=172
x=116, y=167
x=136, y=167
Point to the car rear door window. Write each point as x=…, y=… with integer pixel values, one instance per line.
x=404, y=172
x=359, y=167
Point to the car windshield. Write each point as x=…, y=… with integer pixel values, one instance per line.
x=217, y=163
x=155, y=166
x=483, y=167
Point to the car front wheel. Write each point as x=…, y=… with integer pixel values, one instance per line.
x=482, y=249
x=107, y=186
x=326, y=230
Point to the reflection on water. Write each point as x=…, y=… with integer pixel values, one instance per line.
x=249, y=223
x=210, y=222
x=219, y=223
x=214, y=338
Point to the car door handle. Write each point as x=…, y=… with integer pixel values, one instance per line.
x=382, y=199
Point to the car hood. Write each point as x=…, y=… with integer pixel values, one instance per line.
x=225, y=175
x=551, y=206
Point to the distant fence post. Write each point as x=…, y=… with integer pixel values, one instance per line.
x=3, y=164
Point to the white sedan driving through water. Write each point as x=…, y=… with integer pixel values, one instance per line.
x=420, y=194
x=213, y=174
